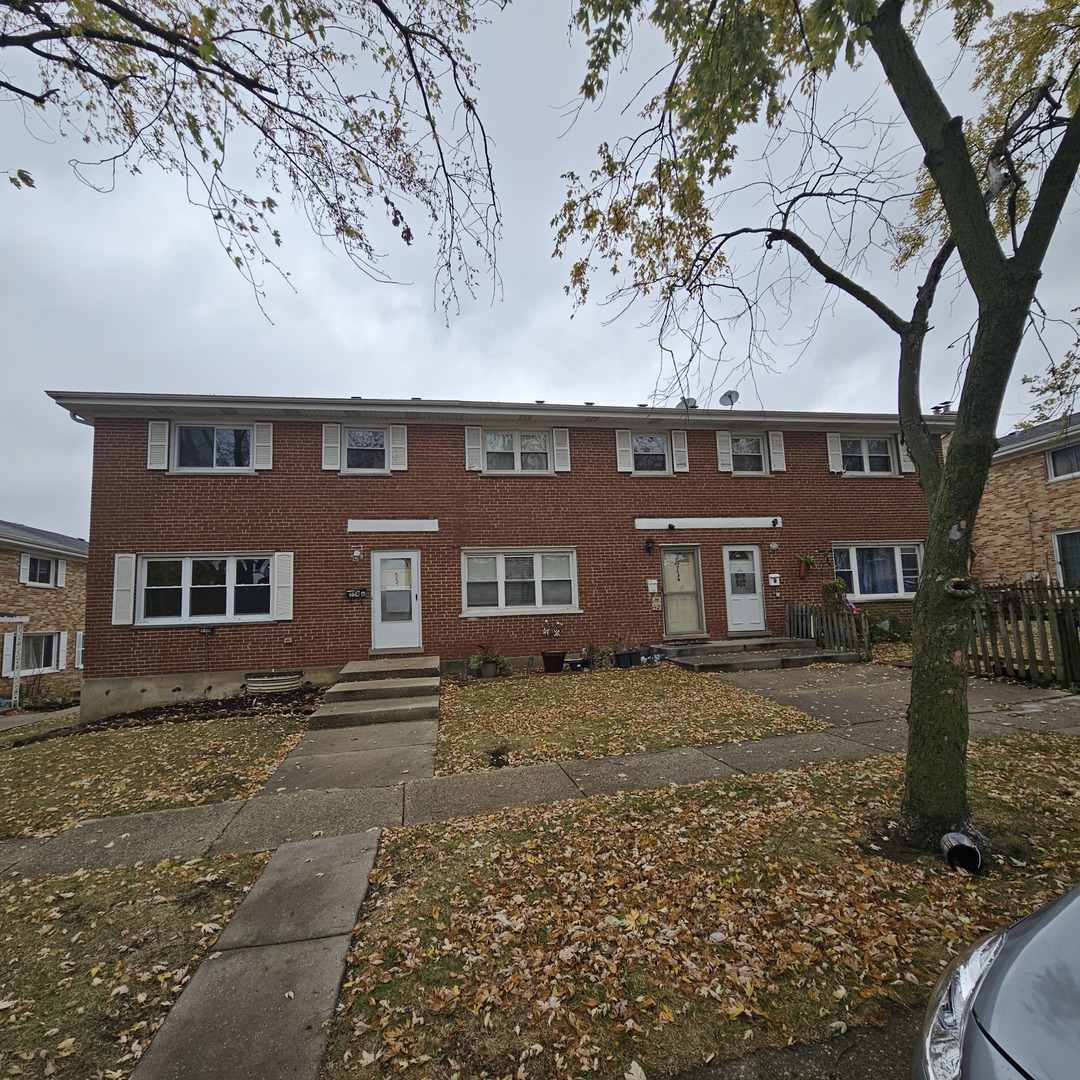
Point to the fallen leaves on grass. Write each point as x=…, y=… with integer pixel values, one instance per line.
x=892, y=652
x=660, y=927
x=91, y=962
x=49, y=785
x=548, y=718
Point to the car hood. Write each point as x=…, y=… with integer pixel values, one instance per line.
x=1029, y=1000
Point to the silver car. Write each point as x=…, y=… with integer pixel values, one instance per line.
x=1009, y=1007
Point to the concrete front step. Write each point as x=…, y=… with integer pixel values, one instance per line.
x=735, y=645
x=392, y=667
x=386, y=711
x=764, y=661
x=382, y=689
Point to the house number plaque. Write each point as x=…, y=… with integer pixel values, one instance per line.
x=356, y=594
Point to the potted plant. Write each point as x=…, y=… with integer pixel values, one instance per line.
x=626, y=654
x=806, y=564
x=487, y=662
x=553, y=658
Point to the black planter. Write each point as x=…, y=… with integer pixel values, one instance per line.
x=627, y=659
x=553, y=661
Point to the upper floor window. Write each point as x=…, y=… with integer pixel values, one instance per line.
x=874, y=571
x=517, y=582
x=511, y=451
x=867, y=455
x=755, y=454
x=42, y=573
x=209, y=447
x=1064, y=462
x=351, y=448
x=747, y=454
x=654, y=453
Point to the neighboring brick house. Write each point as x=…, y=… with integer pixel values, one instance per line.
x=237, y=534
x=1029, y=519
x=43, y=591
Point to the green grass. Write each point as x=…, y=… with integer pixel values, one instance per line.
x=548, y=718
x=91, y=962
x=144, y=762
x=666, y=926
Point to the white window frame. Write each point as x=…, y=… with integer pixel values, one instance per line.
x=500, y=555
x=174, y=447
x=185, y=618
x=898, y=547
x=763, y=439
x=865, y=453
x=1058, y=562
x=1053, y=476
x=59, y=640
x=516, y=434
x=57, y=571
x=384, y=431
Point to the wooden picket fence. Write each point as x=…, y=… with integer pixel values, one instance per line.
x=841, y=630
x=1028, y=631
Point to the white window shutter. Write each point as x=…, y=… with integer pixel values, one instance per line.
x=836, y=456
x=560, y=440
x=263, y=458
x=474, y=457
x=61, y=573
x=680, y=455
x=157, y=444
x=624, y=452
x=906, y=464
x=123, y=597
x=61, y=651
x=283, y=585
x=399, y=448
x=24, y=569
x=331, y=447
x=723, y=451
x=8, y=668
x=80, y=636
x=777, y=458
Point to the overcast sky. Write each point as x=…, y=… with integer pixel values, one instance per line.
x=129, y=291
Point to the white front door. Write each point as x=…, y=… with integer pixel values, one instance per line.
x=682, y=592
x=395, y=599
x=745, y=602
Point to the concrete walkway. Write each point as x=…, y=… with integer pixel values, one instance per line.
x=255, y=1008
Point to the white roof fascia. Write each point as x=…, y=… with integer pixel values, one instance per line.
x=87, y=407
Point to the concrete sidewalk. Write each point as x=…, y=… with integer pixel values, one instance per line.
x=274, y=976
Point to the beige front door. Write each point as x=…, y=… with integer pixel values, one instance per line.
x=680, y=573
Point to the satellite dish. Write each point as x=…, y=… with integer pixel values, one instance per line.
x=729, y=398
x=687, y=403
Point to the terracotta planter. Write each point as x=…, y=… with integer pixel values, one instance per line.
x=803, y=569
x=553, y=662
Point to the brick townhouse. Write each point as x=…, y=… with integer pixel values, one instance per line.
x=1028, y=525
x=232, y=534
x=42, y=607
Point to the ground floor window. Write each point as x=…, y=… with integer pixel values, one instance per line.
x=877, y=571
x=519, y=581
x=42, y=653
x=1068, y=557
x=204, y=588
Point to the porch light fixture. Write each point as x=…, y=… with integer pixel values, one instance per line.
x=358, y=554
x=649, y=545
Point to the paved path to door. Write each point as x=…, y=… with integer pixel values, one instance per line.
x=256, y=1007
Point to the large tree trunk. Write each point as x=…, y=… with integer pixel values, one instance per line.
x=935, y=786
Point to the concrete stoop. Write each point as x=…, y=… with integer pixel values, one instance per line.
x=384, y=691
x=753, y=654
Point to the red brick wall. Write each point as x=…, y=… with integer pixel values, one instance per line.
x=297, y=507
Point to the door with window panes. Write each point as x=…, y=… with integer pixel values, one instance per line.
x=395, y=600
x=745, y=600
x=682, y=592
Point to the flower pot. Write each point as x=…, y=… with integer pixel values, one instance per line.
x=627, y=659
x=803, y=569
x=553, y=662
x=489, y=669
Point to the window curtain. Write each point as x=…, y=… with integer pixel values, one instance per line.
x=877, y=570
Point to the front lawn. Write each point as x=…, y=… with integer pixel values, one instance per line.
x=148, y=761
x=551, y=717
x=91, y=962
x=669, y=926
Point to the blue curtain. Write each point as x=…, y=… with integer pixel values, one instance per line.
x=877, y=570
